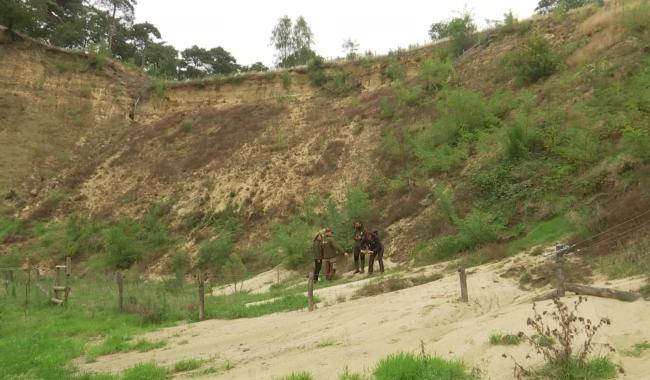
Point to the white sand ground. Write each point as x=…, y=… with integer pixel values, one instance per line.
x=357, y=333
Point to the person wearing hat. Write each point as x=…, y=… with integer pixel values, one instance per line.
x=317, y=251
x=331, y=251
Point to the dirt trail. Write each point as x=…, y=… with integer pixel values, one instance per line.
x=358, y=333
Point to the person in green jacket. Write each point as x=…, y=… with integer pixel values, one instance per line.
x=317, y=251
x=331, y=251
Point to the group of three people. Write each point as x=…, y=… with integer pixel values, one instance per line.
x=327, y=250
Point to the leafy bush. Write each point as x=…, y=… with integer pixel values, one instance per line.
x=468, y=111
x=214, y=253
x=459, y=30
x=437, y=159
x=386, y=108
x=340, y=82
x=407, y=366
x=235, y=271
x=159, y=87
x=316, y=72
x=292, y=242
x=410, y=96
x=446, y=204
x=435, y=73
x=517, y=146
x=637, y=142
x=477, y=228
x=511, y=24
x=341, y=219
x=394, y=71
x=636, y=18
x=123, y=244
x=535, y=60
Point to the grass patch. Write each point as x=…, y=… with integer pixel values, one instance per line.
x=146, y=371
x=298, y=376
x=42, y=342
x=122, y=343
x=407, y=366
x=327, y=342
x=498, y=339
x=233, y=307
x=8, y=228
x=631, y=260
x=544, y=340
x=592, y=369
x=188, y=365
x=543, y=233
x=637, y=349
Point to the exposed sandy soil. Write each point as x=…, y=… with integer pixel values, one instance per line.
x=358, y=333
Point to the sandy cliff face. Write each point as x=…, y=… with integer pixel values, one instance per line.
x=52, y=102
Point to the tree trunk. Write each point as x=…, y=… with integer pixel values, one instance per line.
x=111, y=30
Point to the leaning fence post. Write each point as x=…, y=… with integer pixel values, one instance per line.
x=310, y=291
x=120, y=290
x=463, y=284
x=201, y=282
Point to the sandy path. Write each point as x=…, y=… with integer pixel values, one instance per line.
x=360, y=332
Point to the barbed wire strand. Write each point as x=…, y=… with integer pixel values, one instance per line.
x=610, y=229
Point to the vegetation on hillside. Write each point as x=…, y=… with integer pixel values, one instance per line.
x=534, y=154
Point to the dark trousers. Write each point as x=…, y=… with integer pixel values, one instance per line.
x=371, y=262
x=330, y=269
x=359, y=255
x=318, y=264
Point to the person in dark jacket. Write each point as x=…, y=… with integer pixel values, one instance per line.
x=331, y=251
x=373, y=243
x=317, y=251
x=358, y=253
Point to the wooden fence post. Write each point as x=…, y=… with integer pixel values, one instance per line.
x=559, y=274
x=120, y=290
x=68, y=272
x=13, y=284
x=5, y=280
x=463, y=285
x=310, y=291
x=28, y=285
x=201, y=282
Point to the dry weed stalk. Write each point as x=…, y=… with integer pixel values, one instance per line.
x=561, y=327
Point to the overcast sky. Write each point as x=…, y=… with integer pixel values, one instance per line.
x=244, y=27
